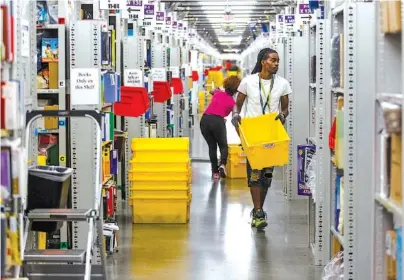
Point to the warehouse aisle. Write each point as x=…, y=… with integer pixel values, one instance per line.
x=219, y=243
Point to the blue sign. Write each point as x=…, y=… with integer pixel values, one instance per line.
x=62, y=123
x=321, y=12
x=304, y=9
x=290, y=19
x=134, y=3
x=280, y=18
x=149, y=10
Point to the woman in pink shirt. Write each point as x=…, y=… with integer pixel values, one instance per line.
x=213, y=125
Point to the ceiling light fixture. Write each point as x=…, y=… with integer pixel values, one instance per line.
x=224, y=3
x=229, y=39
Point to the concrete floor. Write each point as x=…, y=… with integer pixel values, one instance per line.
x=219, y=243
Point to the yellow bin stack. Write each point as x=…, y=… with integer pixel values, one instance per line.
x=236, y=165
x=160, y=176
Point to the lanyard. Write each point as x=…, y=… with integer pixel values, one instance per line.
x=262, y=90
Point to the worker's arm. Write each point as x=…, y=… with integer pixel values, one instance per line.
x=285, y=105
x=236, y=119
x=284, y=109
x=239, y=103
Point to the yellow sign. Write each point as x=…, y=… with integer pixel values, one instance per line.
x=62, y=158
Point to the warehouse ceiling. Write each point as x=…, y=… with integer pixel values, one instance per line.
x=228, y=25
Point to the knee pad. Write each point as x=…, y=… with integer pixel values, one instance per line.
x=267, y=178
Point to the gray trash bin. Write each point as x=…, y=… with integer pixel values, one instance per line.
x=48, y=188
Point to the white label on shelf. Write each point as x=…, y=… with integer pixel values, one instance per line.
x=175, y=71
x=25, y=38
x=159, y=74
x=187, y=70
x=133, y=78
x=85, y=86
x=112, y=4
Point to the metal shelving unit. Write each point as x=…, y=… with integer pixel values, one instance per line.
x=17, y=68
x=133, y=57
x=60, y=94
x=83, y=166
x=357, y=240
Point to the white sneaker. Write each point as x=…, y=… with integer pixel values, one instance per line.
x=222, y=171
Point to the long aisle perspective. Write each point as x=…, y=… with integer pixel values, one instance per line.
x=219, y=243
x=139, y=139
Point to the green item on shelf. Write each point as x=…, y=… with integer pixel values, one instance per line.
x=53, y=155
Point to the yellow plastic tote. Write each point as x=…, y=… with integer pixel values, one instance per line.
x=264, y=141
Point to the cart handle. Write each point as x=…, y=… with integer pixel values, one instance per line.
x=95, y=116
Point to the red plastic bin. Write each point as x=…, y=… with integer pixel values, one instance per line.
x=195, y=76
x=161, y=91
x=134, y=102
x=177, y=85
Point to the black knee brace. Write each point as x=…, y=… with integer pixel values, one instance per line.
x=267, y=174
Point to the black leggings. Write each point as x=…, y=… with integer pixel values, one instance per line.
x=213, y=129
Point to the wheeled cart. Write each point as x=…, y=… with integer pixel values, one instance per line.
x=63, y=264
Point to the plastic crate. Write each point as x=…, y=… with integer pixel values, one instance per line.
x=139, y=192
x=237, y=169
x=160, y=148
x=166, y=165
x=236, y=153
x=151, y=210
x=236, y=149
x=161, y=183
x=264, y=141
x=152, y=175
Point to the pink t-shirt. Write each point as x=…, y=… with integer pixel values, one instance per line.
x=221, y=105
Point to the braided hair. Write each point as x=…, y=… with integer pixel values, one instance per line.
x=262, y=55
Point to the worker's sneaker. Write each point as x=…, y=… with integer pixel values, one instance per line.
x=222, y=171
x=260, y=219
x=253, y=218
x=216, y=176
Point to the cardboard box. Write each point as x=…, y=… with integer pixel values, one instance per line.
x=51, y=122
x=395, y=170
x=384, y=10
x=394, y=16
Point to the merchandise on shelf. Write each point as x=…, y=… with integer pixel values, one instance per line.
x=335, y=268
x=390, y=16
x=341, y=203
x=395, y=169
x=305, y=154
x=50, y=50
x=47, y=12
x=335, y=61
x=337, y=202
x=399, y=253
x=391, y=245
x=339, y=135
